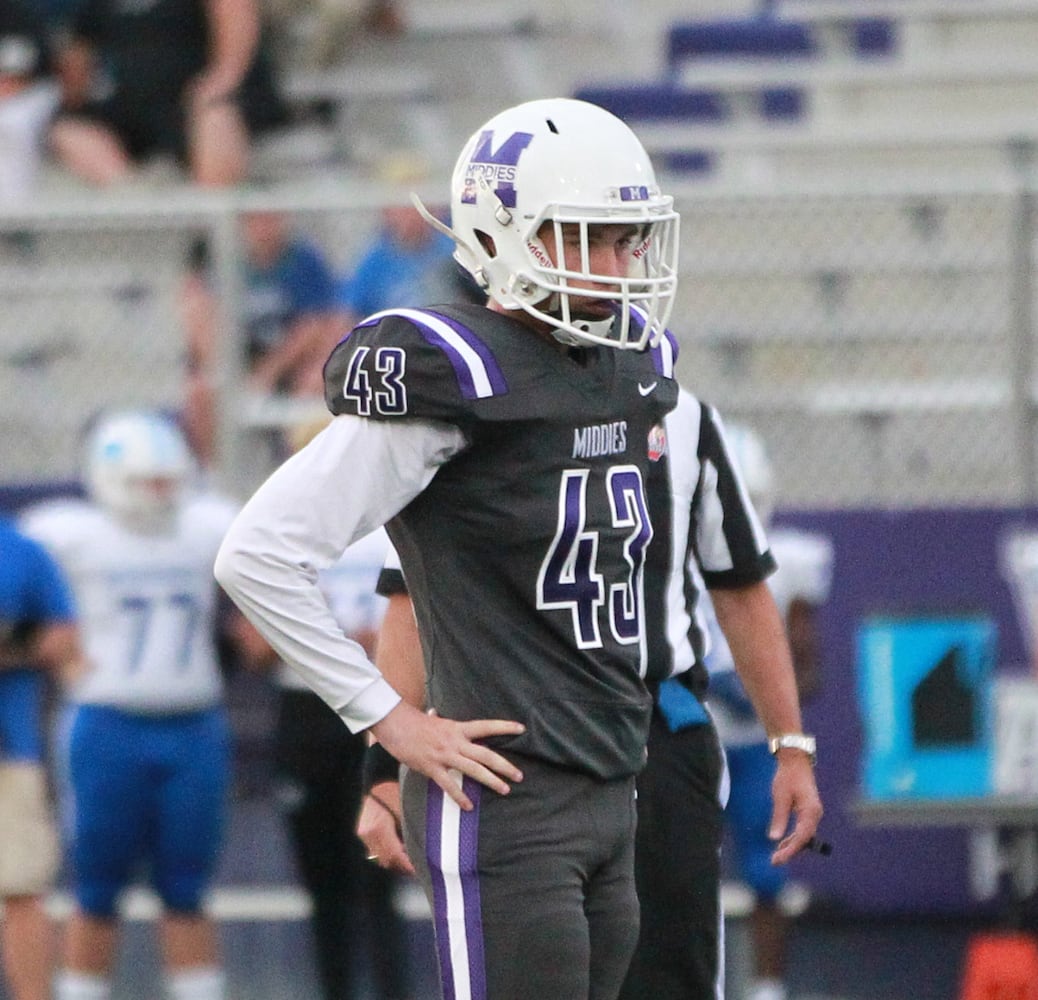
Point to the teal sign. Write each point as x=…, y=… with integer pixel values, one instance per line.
x=925, y=693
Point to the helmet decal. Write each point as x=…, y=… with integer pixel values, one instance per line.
x=490, y=166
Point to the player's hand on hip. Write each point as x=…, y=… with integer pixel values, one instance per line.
x=794, y=796
x=379, y=828
x=445, y=749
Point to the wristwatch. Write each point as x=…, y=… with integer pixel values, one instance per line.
x=793, y=741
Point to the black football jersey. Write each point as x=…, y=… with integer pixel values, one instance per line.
x=525, y=554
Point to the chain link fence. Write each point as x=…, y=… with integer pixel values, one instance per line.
x=881, y=343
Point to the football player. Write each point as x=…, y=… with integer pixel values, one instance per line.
x=146, y=740
x=507, y=449
x=37, y=633
x=708, y=537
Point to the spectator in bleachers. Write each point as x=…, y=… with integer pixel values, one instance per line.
x=406, y=263
x=187, y=79
x=28, y=97
x=289, y=322
x=336, y=24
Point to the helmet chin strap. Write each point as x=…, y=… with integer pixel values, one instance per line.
x=599, y=328
x=552, y=307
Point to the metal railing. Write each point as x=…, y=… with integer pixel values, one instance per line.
x=882, y=341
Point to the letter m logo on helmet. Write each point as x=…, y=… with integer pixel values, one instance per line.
x=496, y=167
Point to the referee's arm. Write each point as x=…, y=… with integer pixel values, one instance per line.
x=751, y=622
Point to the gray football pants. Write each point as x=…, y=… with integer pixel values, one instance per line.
x=532, y=893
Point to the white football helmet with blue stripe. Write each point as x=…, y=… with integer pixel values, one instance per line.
x=562, y=161
x=137, y=466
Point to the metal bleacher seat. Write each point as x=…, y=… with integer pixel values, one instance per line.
x=678, y=100
x=667, y=106
x=419, y=89
x=834, y=89
x=998, y=28
x=359, y=105
x=673, y=102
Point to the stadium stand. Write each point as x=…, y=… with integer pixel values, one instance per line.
x=816, y=89
x=868, y=267
x=404, y=89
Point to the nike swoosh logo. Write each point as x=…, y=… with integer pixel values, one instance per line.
x=646, y=389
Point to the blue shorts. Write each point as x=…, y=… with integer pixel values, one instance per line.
x=21, y=714
x=748, y=813
x=146, y=790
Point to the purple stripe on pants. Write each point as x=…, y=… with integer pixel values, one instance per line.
x=455, y=879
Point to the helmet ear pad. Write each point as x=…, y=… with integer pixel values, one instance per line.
x=489, y=248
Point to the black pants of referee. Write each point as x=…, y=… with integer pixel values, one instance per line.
x=319, y=789
x=677, y=867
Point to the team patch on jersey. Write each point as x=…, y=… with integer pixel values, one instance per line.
x=657, y=443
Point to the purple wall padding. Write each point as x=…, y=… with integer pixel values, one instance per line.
x=914, y=561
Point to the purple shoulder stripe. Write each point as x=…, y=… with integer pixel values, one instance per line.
x=664, y=354
x=478, y=373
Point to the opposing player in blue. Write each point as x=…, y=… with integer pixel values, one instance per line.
x=507, y=449
x=800, y=586
x=147, y=740
x=38, y=633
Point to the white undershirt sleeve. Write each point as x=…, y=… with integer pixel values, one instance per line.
x=353, y=477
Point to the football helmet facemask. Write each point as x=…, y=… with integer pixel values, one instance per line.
x=138, y=464
x=564, y=163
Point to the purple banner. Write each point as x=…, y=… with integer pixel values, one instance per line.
x=897, y=562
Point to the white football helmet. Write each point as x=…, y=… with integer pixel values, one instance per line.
x=138, y=464
x=563, y=161
x=747, y=451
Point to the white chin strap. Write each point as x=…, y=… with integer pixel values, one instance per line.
x=597, y=330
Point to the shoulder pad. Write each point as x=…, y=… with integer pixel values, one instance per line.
x=411, y=363
x=665, y=352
